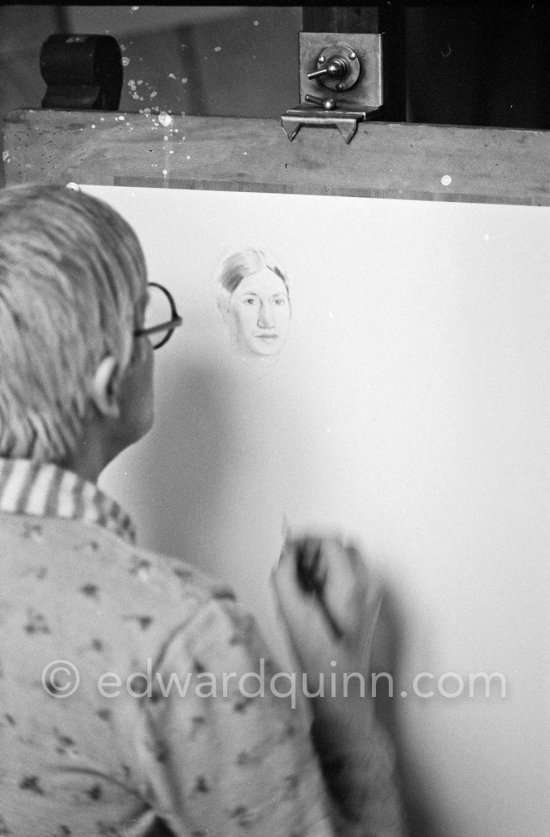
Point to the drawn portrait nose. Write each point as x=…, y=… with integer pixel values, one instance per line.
x=265, y=317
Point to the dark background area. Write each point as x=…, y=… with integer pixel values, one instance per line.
x=482, y=64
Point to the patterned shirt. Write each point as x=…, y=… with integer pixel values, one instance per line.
x=131, y=684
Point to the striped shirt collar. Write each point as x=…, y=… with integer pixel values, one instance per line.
x=45, y=490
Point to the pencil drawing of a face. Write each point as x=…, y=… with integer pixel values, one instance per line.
x=254, y=302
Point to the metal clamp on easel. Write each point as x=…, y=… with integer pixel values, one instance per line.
x=340, y=82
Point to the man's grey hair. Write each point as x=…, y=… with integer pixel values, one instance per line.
x=72, y=280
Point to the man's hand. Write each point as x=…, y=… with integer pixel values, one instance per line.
x=330, y=603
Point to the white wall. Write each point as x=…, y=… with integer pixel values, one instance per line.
x=410, y=410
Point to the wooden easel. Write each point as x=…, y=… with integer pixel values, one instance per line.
x=384, y=160
x=392, y=160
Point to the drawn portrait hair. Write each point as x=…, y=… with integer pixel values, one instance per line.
x=235, y=267
x=72, y=277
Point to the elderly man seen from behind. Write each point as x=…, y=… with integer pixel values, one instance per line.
x=94, y=740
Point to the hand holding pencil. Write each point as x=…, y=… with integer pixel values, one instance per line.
x=329, y=602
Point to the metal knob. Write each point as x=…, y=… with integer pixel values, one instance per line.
x=336, y=68
x=326, y=104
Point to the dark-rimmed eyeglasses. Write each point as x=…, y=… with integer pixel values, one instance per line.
x=161, y=316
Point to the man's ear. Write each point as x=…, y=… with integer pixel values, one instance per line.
x=105, y=387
